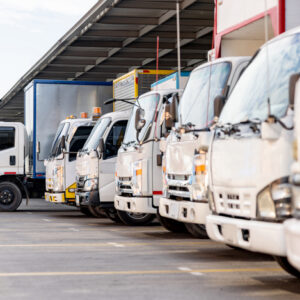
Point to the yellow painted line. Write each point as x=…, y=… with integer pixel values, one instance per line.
x=136, y=272
x=107, y=244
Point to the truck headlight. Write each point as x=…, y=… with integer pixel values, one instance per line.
x=137, y=178
x=274, y=201
x=295, y=180
x=200, y=178
x=58, y=178
x=91, y=184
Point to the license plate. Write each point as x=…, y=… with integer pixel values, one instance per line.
x=174, y=210
x=229, y=232
x=77, y=200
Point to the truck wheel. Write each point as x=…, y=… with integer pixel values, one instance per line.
x=171, y=225
x=112, y=214
x=85, y=210
x=10, y=196
x=134, y=219
x=284, y=264
x=196, y=230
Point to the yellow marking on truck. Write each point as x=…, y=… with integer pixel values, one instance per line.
x=138, y=272
x=71, y=195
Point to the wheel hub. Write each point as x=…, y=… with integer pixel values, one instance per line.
x=6, y=197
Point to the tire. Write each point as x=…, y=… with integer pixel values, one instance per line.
x=10, y=196
x=85, y=210
x=284, y=264
x=196, y=230
x=132, y=219
x=172, y=225
x=97, y=212
x=112, y=214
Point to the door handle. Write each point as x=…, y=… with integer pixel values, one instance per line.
x=12, y=160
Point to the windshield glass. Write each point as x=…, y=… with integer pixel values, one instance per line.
x=97, y=132
x=62, y=130
x=197, y=102
x=148, y=104
x=249, y=99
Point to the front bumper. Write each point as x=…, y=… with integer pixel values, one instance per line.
x=55, y=197
x=184, y=211
x=88, y=198
x=135, y=204
x=292, y=233
x=257, y=236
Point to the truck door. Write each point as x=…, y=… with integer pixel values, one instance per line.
x=79, y=138
x=107, y=164
x=9, y=150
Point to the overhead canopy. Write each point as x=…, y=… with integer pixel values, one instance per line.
x=116, y=36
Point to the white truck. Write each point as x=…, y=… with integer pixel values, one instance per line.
x=250, y=154
x=292, y=226
x=139, y=161
x=70, y=137
x=24, y=148
x=95, y=165
x=184, y=201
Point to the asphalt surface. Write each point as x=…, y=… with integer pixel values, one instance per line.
x=49, y=251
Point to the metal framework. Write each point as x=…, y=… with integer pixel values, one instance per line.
x=116, y=36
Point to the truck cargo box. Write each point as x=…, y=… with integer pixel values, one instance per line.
x=47, y=103
x=173, y=81
x=134, y=84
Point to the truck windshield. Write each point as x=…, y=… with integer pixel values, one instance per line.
x=93, y=141
x=148, y=104
x=197, y=102
x=62, y=130
x=263, y=80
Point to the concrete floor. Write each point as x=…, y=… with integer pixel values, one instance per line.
x=49, y=251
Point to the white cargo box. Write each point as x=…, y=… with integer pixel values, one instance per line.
x=173, y=81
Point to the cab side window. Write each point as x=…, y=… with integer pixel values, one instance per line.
x=78, y=140
x=7, y=138
x=114, y=139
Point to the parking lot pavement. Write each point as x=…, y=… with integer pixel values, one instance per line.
x=54, y=252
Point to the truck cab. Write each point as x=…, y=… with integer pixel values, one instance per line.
x=95, y=167
x=13, y=137
x=292, y=226
x=250, y=154
x=60, y=166
x=184, y=202
x=139, y=162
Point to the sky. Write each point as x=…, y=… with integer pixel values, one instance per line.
x=28, y=29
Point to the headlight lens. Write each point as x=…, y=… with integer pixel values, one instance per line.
x=91, y=184
x=58, y=178
x=275, y=200
x=200, y=178
x=137, y=178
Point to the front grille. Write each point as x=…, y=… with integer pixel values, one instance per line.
x=178, y=187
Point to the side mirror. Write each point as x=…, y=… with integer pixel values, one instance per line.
x=38, y=147
x=101, y=145
x=174, y=107
x=139, y=119
x=292, y=87
x=219, y=103
x=63, y=142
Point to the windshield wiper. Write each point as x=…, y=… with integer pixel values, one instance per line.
x=126, y=100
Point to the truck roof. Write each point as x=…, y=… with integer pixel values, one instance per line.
x=283, y=35
x=162, y=92
x=118, y=114
x=232, y=59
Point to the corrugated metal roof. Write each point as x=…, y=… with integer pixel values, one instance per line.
x=116, y=36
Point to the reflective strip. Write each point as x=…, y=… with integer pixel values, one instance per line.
x=157, y=192
x=10, y=173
